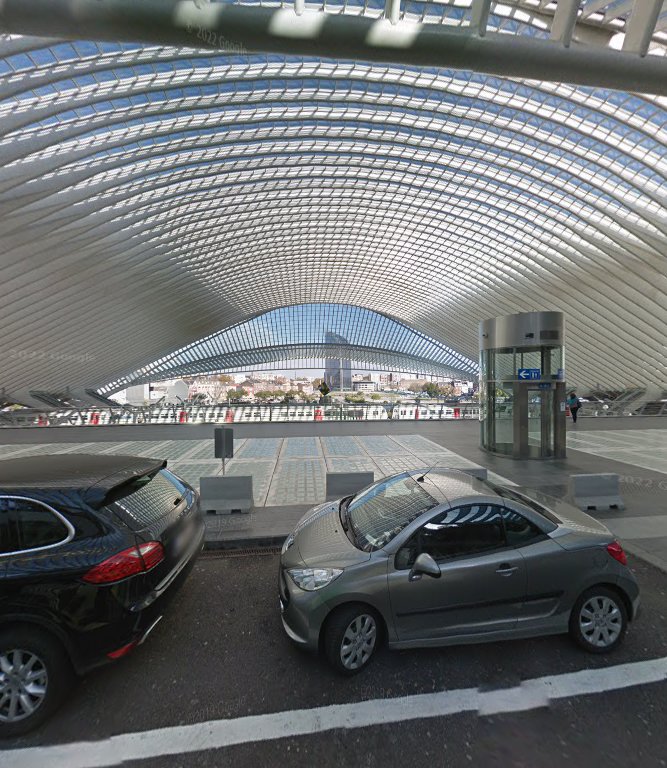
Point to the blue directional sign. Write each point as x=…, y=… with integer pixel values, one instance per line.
x=529, y=374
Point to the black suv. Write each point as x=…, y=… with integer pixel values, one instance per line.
x=90, y=548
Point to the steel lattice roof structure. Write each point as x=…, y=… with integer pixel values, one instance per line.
x=308, y=332
x=154, y=195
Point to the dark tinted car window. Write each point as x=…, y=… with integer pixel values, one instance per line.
x=465, y=530
x=518, y=530
x=9, y=530
x=26, y=524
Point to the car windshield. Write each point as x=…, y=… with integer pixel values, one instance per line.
x=382, y=511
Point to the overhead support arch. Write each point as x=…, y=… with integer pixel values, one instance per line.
x=308, y=331
x=298, y=31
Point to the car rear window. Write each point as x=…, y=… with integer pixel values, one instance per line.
x=148, y=499
x=507, y=493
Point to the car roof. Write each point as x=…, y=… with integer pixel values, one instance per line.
x=450, y=485
x=91, y=476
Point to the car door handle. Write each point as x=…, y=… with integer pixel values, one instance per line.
x=506, y=569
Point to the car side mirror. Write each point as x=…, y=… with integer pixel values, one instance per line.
x=424, y=564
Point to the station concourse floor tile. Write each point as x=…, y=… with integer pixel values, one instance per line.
x=389, y=465
x=337, y=464
x=14, y=451
x=344, y=446
x=381, y=445
x=301, y=447
x=261, y=448
x=297, y=482
x=191, y=472
x=42, y=450
x=419, y=444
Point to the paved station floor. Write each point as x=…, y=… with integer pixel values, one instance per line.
x=285, y=471
x=219, y=684
x=642, y=448
x=288, y=463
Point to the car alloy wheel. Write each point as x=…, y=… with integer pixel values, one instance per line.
x=600, y=621
x=358, y=642
x=35, y=676
x=23, y=684
x=351, y=637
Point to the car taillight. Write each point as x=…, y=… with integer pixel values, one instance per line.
x=616, y=551
x=120, y=652
x=129, y=562
x=152, y=553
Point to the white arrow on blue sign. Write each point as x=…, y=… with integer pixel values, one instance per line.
x=529, y=374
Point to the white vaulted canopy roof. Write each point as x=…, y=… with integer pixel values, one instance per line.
x=153, y=196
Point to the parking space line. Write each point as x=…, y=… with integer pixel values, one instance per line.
x=215, y=734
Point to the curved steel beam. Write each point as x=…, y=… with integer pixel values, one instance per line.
x=244, y=29
x=243, y=359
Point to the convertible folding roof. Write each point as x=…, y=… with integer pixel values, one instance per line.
x=154, y=195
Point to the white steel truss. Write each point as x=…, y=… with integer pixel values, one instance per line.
x=308, y=332
x=152, y=195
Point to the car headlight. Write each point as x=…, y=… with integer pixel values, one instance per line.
x=311, y=579
x=287, y=543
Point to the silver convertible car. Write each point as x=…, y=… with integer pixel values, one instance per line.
x=438, y=557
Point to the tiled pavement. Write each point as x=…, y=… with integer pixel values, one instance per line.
x=644, y=522
x=289, y=472
x=286, y=471
x=643, y=448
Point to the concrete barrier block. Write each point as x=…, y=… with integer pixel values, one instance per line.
x=341, y=484
x=596, y=492
x=226, y=494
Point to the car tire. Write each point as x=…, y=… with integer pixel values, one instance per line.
x=599, y=620
x=351, y=638
x=48, y=665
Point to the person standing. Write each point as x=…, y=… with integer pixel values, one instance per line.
x=574, y=405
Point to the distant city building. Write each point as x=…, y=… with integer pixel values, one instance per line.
x=406, y=383
x=303, y=385
x=337, y=372
x=209, y=387
x=365, y=385
x=177, y=391
x=137, y=395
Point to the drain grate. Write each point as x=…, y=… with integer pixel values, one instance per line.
x=241, y=552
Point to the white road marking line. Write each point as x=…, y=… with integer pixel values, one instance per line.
x=178, y=740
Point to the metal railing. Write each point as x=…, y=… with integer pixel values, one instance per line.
x=248, y=413
x=238, y=413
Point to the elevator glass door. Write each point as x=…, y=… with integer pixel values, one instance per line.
x=540, y=415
